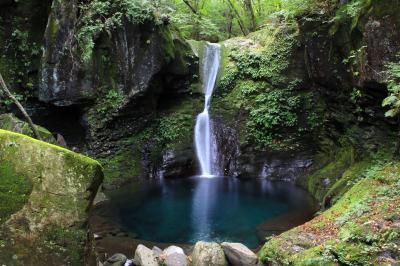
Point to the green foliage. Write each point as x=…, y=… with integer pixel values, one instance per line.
x=270, y=63
x=111, y=101
x=16, y=72
x=274, y=111
x=393, y=83
x=222, y=19
x=190, y=25
x=352, y=11
x=257, y=80
x=174, y=128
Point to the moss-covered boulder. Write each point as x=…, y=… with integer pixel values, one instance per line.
x=48, y=191
x=12, y=123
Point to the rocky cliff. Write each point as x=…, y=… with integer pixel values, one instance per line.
x=109, y=83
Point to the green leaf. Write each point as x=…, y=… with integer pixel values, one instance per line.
x=389, y=100
x=391, y=113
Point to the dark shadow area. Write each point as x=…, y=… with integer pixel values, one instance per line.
x=66, y=121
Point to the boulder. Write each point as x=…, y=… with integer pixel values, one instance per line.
x=145, y=257
x=61, y=186
x=12, y=123
x=174, y=256
x=173, y=249
x=157, y=251
x=208, y=254
x=116, y=260
x=239, y=255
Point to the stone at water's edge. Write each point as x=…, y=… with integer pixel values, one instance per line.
x=116, y=260
x=53, y=221
x=239, y=255
x=174, y=256
x=208, y=254
x=145, y=257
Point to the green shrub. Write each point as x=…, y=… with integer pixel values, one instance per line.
x=393, y=83
x=111, y=101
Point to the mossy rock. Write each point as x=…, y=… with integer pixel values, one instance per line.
x=12, y=123
x=58, y=187
x=142, y=152
x=361, y=228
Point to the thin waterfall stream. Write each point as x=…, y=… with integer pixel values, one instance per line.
x=205, y=149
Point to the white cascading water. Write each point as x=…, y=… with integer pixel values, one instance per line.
x=203, y=131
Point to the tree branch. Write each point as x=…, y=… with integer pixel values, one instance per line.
x=190, y=6
x=20, y=107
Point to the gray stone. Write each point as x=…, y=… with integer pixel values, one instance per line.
x=145, y=257
x=157, y=251
x=116, y=260
x=208, y=254
x=174, y=256
x=239, y=255
x=173, y=249
x=176, y=259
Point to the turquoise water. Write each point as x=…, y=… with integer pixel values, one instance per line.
x=211, y=209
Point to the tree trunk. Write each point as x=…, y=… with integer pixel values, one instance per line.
x=240, y=21
x=249, y=8
x=190, y=6
x=20, y=107
x=229, y=17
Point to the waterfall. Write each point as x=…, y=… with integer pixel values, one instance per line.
x=205, y=146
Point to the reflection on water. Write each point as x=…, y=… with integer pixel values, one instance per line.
x=211, y=209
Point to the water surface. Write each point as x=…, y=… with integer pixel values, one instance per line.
x=211, y=209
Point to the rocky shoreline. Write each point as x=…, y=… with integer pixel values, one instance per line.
x=203, y=254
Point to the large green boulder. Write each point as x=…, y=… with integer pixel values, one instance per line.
x=48, y=192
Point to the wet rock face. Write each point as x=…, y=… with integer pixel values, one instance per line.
x=274, y=166
x=381, y=36
x=134, y=49
x=354, y=55
x=178, y=163
x=243, y=161
x=322, y=58
x=139, y=56
x=63, y=80
x=227, y=143
x=288, y=169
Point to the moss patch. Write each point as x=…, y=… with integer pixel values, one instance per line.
x=260, y=83
x=14, y=191
x=361, y=228
x=171, y=129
